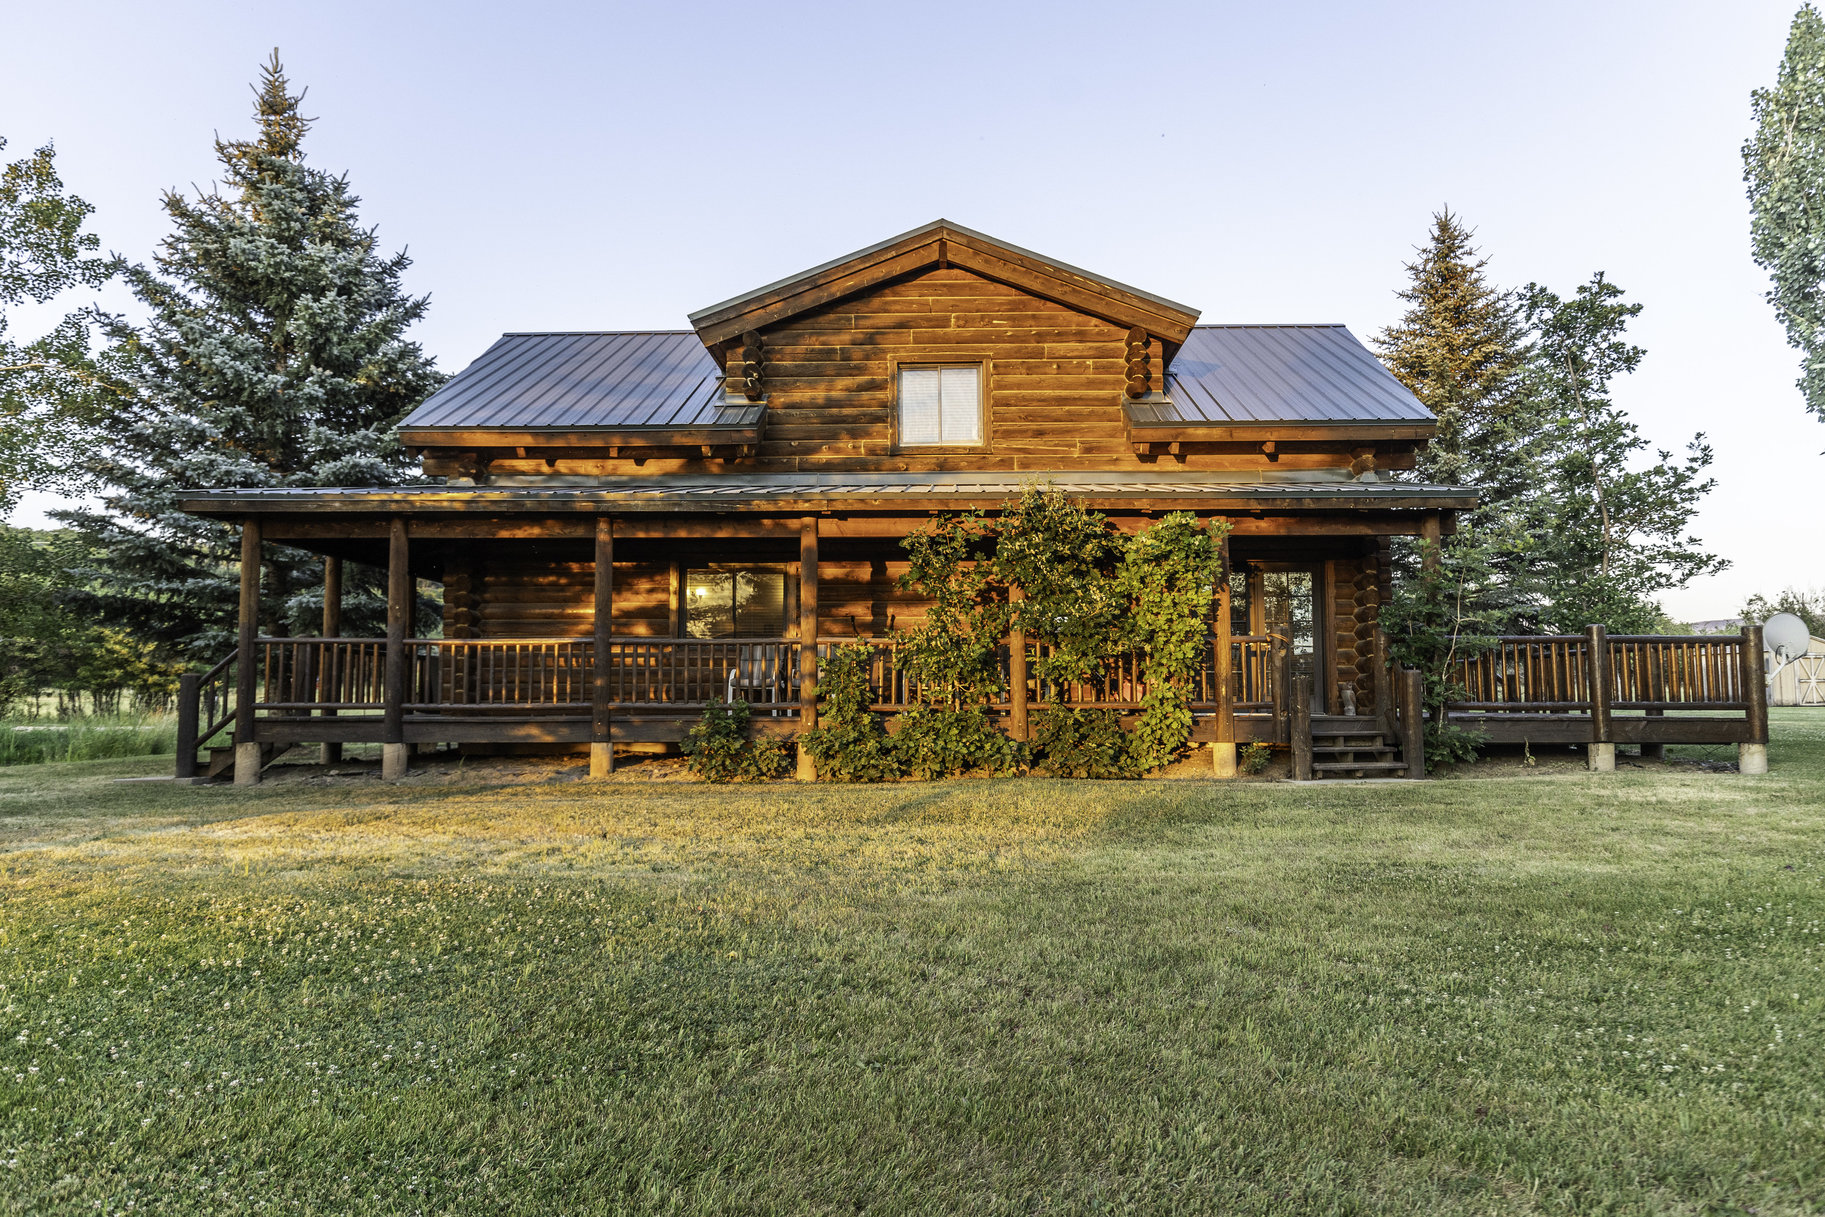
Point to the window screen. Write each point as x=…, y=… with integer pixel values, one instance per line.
x=732, y=602
x=941, y=405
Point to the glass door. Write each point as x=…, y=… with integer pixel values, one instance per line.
x=1283, y=601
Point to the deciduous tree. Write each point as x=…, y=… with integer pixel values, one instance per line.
x=44, y=251
x=1784, y=165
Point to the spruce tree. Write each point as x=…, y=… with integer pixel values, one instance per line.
x=1615, y=528
x=274, y=354
x=1460, y=348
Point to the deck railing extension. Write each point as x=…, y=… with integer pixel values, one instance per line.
x=1554, y=674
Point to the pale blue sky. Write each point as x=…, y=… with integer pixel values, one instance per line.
x=569, y=166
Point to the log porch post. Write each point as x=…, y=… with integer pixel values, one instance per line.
x=1412, y=686
x=1602, y=755
x=393, y=749
x=332, y=628
x=1302, y=729
x=807, y=640
x=601, y=745
x=1223, y=751
x=1432, y=534
x=247, y=664
x=1752, y=753
x=1017, y=672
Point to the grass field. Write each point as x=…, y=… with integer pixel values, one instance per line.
x=1538, y=993
x=88, y=738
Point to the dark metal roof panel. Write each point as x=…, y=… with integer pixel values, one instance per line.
x=650, y=379
x=1229, y=374
x=1224, y=374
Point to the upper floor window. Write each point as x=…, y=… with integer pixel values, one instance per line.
x=941, y=404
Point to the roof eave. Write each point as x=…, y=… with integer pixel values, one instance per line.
x=942, y=242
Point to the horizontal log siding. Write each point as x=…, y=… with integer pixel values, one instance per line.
x=541, y=599
x=1054, y=388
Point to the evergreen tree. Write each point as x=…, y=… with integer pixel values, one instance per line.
x=1616, y=531
x=1462, y=349
x=1784, y=165
x=274, y=355
x=43, y=252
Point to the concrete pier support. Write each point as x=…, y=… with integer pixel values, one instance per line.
x=1223, y=759
x=1603, y=758
x=393, y=761
x=247, y=765
x=1752, y=758
x=601, y=760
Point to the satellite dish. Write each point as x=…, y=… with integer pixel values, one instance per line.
x=1787, y=636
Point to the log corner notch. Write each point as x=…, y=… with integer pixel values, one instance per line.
x=1138, y=364
x=746, y=373
x=601, y=743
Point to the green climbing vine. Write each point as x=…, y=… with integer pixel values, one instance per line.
x=1087, y=594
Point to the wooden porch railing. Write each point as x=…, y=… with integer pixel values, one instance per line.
x=555, y=675
x=1254, y=677
x=552, y=675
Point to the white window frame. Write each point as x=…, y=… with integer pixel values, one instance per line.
x=907, y=437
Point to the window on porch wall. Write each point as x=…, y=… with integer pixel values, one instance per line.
x=735, y=602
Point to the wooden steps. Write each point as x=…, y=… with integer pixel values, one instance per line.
x=1353, y=747
x=221, y=758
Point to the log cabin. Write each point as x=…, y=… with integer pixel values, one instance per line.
x=628, y=524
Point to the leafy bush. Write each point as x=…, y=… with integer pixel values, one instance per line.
x=1448, y=743
x=850, y=742
x=1255, y=758
x=1071, y=743
x=719, y=748
x=933, y=742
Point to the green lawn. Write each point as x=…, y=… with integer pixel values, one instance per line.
x=1549, y=992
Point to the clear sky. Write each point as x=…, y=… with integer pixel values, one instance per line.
x=573, y=166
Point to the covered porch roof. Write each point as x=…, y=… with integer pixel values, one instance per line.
x=816, y=493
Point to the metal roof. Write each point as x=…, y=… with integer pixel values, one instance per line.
x=1282, y=374
x=1223, y=375
x=824, y=491
x=645, y=379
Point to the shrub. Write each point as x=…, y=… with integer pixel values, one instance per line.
x=850, y=742
x=1255, y=758
x=719, y=748
x=1072, y=743
x=934, y=743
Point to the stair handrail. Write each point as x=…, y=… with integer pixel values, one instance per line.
x=204, y=710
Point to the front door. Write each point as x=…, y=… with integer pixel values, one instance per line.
x=1283, y=602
